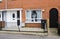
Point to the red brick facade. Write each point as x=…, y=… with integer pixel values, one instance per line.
x=45, y=5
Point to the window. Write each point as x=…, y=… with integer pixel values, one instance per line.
x=13, y=15
x=18, y=14
x=33, y=15
x=0, y=15
x=4, y=15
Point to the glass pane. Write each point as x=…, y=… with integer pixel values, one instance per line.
x=13, y=15
x=38, y=13
x=34, y=14
x=28, y=14
x=18, y=14
x=0, y=15
x=4, y=15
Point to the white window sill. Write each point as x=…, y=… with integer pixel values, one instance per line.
x=33, y=22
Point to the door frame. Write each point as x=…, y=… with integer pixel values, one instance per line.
x=50, y=16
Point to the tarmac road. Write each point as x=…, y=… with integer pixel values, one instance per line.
x=20, y=36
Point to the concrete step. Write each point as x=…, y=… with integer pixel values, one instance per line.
x=10, y=28
x=24, y=33
x=53, y=31
x=23, y=29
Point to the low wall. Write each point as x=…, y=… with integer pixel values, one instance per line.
x=33, y=25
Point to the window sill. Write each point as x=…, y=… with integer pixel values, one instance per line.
x=32, y=22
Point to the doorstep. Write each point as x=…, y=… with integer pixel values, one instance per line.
x=24, y=33
x=24, y=29
x=53, y=32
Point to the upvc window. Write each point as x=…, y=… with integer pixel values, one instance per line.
x=33, y=16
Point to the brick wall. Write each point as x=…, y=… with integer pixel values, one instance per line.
x=33, y=4
x=34, y=25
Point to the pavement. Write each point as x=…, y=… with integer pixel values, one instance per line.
x=20, y=36
x=24, y=33
x=52, y=32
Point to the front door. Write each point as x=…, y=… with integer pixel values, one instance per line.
x=18, y=18
x=53, y=18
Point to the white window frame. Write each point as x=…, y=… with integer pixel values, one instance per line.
x=37, y=18
x=1, y=15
